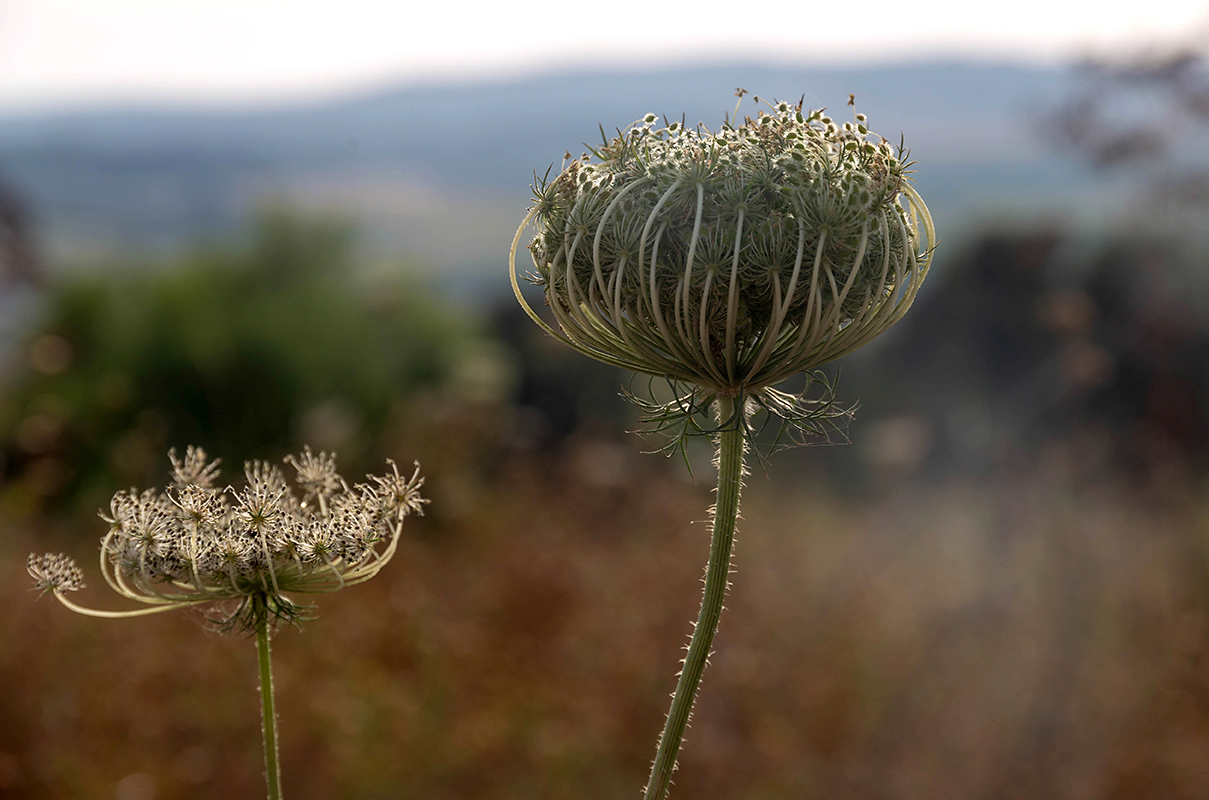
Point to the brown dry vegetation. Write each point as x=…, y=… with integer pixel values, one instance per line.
x=1039, y=635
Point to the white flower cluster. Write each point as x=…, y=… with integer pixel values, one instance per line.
x=731, y=259
x=197, y=543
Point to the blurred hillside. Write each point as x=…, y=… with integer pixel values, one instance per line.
x=442, y=171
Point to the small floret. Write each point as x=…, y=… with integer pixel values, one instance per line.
x=54, y=572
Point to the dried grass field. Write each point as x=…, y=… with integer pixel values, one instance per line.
x=1039, y=635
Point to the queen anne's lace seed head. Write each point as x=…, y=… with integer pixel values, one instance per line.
x=54, y=573
x=249, y=547
x=194, y=469
x=198, y=505
x=396, y=495
x=730, y=260
x=317, y=475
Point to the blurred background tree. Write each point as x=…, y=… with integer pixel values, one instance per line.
x=250, y=351
x=1148, y=115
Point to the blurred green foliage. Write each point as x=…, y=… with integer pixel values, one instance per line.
x=248, y=353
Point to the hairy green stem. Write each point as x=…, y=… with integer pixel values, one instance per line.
x=726, y=511
x=268, y=710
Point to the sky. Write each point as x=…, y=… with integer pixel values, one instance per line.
x=56, y=53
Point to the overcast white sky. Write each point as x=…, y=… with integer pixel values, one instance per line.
x=68, y=52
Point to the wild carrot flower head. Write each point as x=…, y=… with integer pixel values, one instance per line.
x=316, y=475
x=733, y=259
x=245, y=548
x=54, y=573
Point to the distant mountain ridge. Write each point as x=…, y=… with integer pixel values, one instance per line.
x=160, y=177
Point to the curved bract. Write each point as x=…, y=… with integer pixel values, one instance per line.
x=734, y=259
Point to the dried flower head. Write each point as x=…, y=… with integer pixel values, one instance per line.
x=730, y=260
x=316, y=475
x=195, y=469
x=250, y=547
x=54, y=573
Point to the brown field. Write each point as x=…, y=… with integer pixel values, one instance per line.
x=1040, y=634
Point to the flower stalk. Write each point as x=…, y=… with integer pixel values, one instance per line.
x=268, y=709
x=722, y=539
